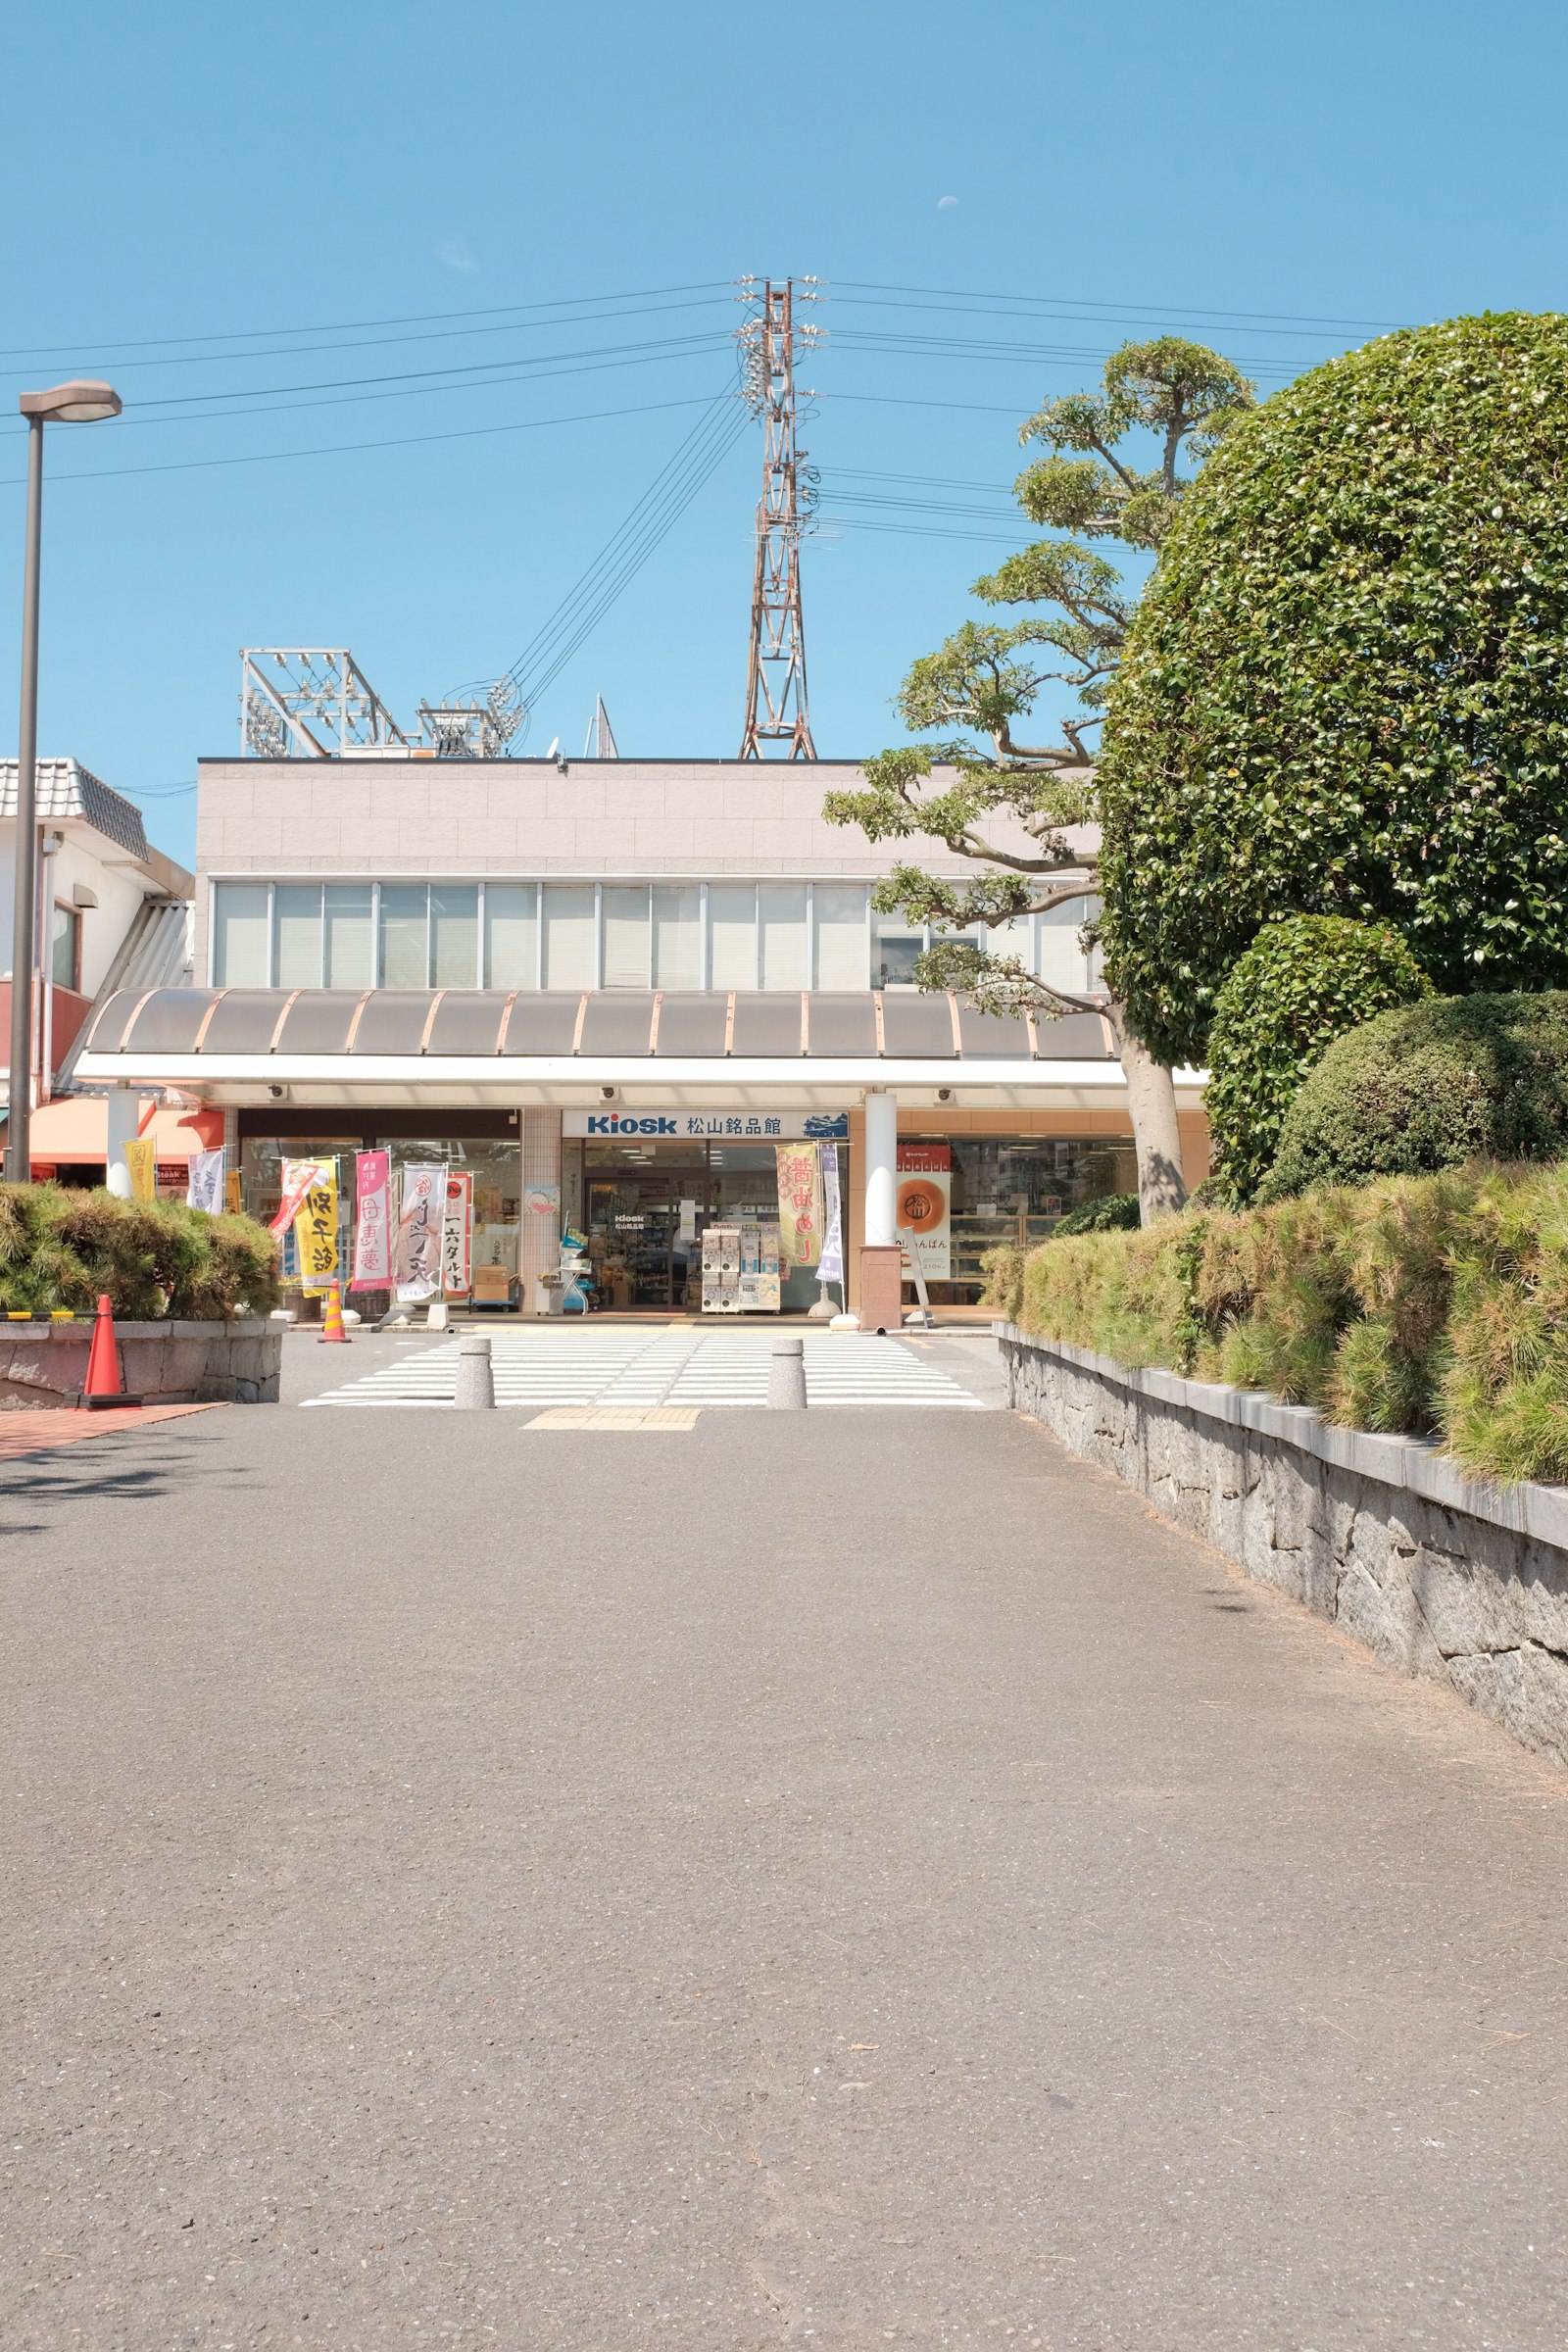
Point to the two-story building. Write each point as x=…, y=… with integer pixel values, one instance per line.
x=607, y=987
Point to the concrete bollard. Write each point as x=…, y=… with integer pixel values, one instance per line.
x=786, y=1373
x=476, y=1380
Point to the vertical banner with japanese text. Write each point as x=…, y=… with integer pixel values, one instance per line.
x=831, y=1268
x=373, y=1237
x=800, y=1204
x=316, y=1231
x=141, y=1158
x=204, y=1187
x=924, y=1205
x=298, y=1176
x=457, y=1236
x=421, y=1214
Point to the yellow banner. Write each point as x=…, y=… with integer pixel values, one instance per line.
x=316, y=1231
x=141, y=1158
x=800, y=1204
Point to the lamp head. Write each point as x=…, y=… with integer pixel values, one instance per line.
x=80, y=402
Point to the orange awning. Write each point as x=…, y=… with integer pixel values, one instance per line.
x=75, y=1130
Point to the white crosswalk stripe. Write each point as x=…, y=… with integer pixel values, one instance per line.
x=623, y=1366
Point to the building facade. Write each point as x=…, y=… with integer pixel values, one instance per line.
x=112, y=910
x=607, y=987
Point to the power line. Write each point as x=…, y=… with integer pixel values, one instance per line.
x=1128, y=309
x=338, y=448
x=252, y=335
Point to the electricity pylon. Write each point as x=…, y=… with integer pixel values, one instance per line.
x=776, y=708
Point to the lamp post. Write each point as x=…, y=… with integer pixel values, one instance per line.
x=76, y=403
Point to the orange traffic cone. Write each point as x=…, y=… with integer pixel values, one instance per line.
x=334, y=1334
x=104, y=1385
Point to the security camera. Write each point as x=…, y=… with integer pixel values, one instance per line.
x=561, y=766
x=944, y=1093
x=607, y=1093
x=277, y=1093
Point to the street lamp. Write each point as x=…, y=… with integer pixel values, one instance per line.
x=76, y=403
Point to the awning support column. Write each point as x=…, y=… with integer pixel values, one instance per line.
x=881, y=1168
x=124, y=1125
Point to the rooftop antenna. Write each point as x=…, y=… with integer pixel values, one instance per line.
x=600, y=741
x=775, y=677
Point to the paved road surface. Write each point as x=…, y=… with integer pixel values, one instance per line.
x=851, y=1879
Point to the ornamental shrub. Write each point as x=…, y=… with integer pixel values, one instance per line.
x=1345, y=688
x=1431, y=1086
x=1303, y=982
x=60, y=1249
x=1435, y=1305
x=1113, y=1212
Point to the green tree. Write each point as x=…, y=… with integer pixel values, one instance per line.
x=1345, y=692
x=1011, y=808
x=1305, y=981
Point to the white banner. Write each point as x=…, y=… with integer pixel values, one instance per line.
x=456, y=1237
x=724, y=1125
x=831, y=1265
x=422, y=1215
x=205, y=1188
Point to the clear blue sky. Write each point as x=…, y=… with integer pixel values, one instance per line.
x=280, y=177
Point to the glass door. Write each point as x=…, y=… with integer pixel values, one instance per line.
x=643, y=1224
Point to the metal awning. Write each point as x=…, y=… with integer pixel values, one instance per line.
x=406, y=1045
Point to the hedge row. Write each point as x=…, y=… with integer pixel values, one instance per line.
x=60, y=1249
x=1432, y=1305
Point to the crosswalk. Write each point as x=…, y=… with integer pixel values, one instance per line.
x=621, y=1366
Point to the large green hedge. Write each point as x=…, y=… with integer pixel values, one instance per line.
x=1302, y=983
x=1429, y=1087
x=1436, y=1306
x=62, y=1248
x=1345, y=688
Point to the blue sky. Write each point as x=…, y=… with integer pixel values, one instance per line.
x=1010, y=173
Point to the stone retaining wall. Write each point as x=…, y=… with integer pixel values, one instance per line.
x=43, y=1365
x=1448, y=1579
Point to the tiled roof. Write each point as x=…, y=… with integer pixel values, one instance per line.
x=66, y=789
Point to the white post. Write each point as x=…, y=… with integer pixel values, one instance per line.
x=881, y=1168
x=124, y=1125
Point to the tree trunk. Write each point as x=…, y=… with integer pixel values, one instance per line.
x=1152, y=1101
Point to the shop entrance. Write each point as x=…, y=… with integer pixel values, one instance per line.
x=646, y=1222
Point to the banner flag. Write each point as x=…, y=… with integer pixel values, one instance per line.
x=141, y=1158
x=205, y=1188
x=925, y=1207
x=456, y=1237
x=800, y=1204
x=298, y=1177
x=831, y=1268
x=234, y=1192
x=316, y=1230
x=422, y=1210
x=372, y=1236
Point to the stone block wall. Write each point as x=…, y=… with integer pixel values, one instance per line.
x=1445, y=1578
x=45, y=1364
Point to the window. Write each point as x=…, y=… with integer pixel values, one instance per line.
x=512, y=935
x=453, y=935
x=297, y=935
x=1063, y=963
x=626, y=913
x=568, y=921
x=65, y=947
x=895, y=945
x=838, y=925
x=348, y=959
x=677, y=935
x=781, y=926
x=733, y=933
x=405, y=935
x=240, y=943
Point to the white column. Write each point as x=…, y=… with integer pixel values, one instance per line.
x=539, y=1253
x=881, y=1168
x=124, y=1125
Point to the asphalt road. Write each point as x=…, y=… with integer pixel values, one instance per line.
x=852, y=1878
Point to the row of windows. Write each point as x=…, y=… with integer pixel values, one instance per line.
x=577, y=935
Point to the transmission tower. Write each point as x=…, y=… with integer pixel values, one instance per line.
x=776, y=709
